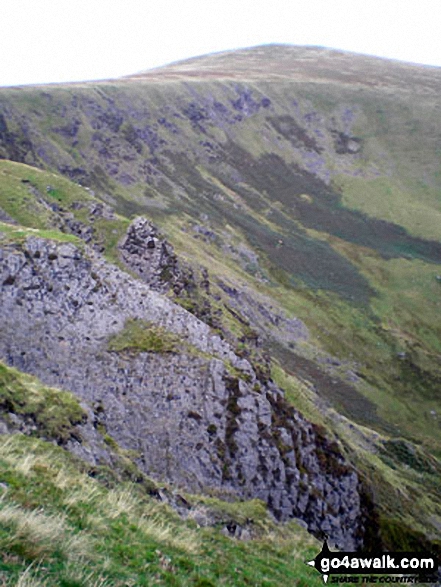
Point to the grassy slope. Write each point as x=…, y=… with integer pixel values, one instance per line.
x=65, y=528
x=64, y=523
x=368, y=290
x=35, y=199
x=53, y=413
x=18, y=233
x=395, y=479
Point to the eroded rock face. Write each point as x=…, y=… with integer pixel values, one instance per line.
x=198, y=417
x=4, y=217
x=151, y=257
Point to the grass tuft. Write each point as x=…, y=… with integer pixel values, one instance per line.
x=53, y=412
x=59, y=527
x=139, y=336
x=35, y=535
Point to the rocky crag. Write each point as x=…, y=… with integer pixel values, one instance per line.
x=193, y=413
x=151, y=257
x=307, y=182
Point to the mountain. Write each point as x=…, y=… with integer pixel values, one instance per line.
x=233, y=264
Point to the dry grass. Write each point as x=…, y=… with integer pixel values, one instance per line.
x=82, y=533
x=87, y=494
x=120, y=502
x=38, y=535
x=73, y=573
x=152, y=520
x=159, y=529
x=27, y=579
x=63, y=479
x=12, y=454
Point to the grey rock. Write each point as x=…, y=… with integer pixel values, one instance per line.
x=4, y=217
x=151, y=257
x=4, y=428
x=189, y=421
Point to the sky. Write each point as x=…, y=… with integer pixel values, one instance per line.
x=45, y=41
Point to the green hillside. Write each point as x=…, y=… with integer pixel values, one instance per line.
x=308, y=183
x=65, y=524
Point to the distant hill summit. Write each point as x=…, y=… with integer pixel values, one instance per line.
x=234, y=263
x=301, y=63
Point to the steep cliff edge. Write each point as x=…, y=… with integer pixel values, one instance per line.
x=194, y=413
x=296, y=210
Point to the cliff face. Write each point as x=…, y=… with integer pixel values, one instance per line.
x=194, y=413
x=300, y=191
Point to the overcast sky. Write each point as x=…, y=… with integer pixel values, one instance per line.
x=68, y=40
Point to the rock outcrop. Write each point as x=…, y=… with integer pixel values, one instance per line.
x=152, y=257
x=197, y=416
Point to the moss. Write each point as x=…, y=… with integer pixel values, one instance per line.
x=55, y=413
x=198, y=304
x=19, y=234
x=139, y=336
x=111, y=442
x=329, y=454
x=397, y=536
x=241, y=350
x=281, y=446
x=187, y=303
x=166, y=274
x=226, y=471
x=212, y=429
x=223, y=454
x=232, y=385
x=245, y=376
x=221, y=449
x=233, y=411
x=241, y=512
x=250, y=334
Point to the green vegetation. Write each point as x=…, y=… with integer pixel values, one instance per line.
x=297, y=394
x=138, y=336
x=405, y=486
x=402, y=478
x=249, y=174
x=409, y=455
x=18, y=234
x=53, y=413
x=48, y=205
x=251, y=512
x=60, y=527
x=26, y=194
x=416, y=208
